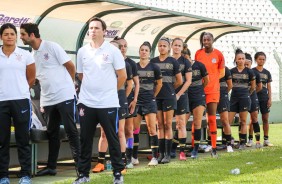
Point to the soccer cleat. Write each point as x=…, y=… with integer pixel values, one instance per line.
x=134, y=161
x=229, y=149
x=118, y=178
x=214, y=153
x=166, y=159
x=153, y=162
x=4, y=181
x=81, y=179
x=160, y=158
x=98, y=168
x=25, y=180
x=267, y=143
x=208, y=148
x=249, y=143
x=258, y=145
x=173, y=154
x=194, y=154
x=182, y=156
x=129, y=165
x=242, y=147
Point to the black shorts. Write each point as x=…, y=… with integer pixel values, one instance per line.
x=223, y=104
x=134, y=114
x=122, y=113
x=254, y=105
x=263, y=107
x=147, y=108
x=193, y=103
x=240, y=104
x=182, y=105
x=166, y=104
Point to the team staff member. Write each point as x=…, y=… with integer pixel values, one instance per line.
x=101, y=68
x=264, y=96
x=181, y=95
x=197, y=101
x=150, y=85
x=240, y=101
x=122, y=114
x=214, y=62
x=254, y=125
x=55, y=72
x=166, y=98
x=224, y=106
x=17, y=74
x=132, y=100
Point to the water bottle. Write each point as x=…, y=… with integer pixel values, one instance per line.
x=109, y=165
x=235, y=171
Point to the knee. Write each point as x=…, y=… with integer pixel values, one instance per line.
x=168, y=126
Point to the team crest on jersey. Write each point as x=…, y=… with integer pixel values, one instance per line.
x=149, y=74
x=245, y=76
x=46, y=56
x=81, y=112
x=105, y=57
x=168, y=66
x=19, y=57
x=213, y=60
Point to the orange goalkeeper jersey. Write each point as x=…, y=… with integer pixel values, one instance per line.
x=213, y=61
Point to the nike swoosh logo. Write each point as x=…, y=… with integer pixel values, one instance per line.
x=68, y=102
x=168, y=107
x=111, y=112
x=123, y=114
x=23, y=111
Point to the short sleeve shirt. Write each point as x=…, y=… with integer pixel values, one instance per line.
x=13, y=82
x=240, y=81
x=147, y=77
x=184, y=67
x=56, y=83
x=169, y=68
x=99, y=83
x=266, y=78
x=213, y=61
x=223, y=84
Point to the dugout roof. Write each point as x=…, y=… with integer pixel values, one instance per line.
x=65, y=22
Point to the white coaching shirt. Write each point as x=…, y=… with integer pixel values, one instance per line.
x=13, y=82
x=56, y=83
x=99, y=83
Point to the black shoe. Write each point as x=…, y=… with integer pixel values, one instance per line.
x=160, y=158
x=46, y=171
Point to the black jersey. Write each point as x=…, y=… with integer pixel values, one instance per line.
x=134, y=73
x=223, y=83
x=240, y=81
x=121, y=92
x=169, y=68
x=258, y=80
x=265, y=77
x=147, y=79
x=196, y=89
x=184, y=67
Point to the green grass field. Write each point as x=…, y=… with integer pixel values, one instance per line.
x=256, y=166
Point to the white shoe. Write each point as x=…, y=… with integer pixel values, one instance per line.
x=249, y=143
x=134, y=161
x=153, y=162
x=208, y=148
x=267, y=143
x=229, y=149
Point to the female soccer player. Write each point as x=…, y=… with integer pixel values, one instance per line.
x=197, y=101
x=240, y=101
x=223, y=108
x=166, y=98
x=214, y=62
x=150, y=78
x=181, y=95
x=254, y=125
x=264, y=96
x=17, y=73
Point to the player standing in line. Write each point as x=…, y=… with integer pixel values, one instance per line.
x=166, y=98
x=181, y=95
x=254, y=125
x=244, y=84
x=264, y=96
x=215, y=65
